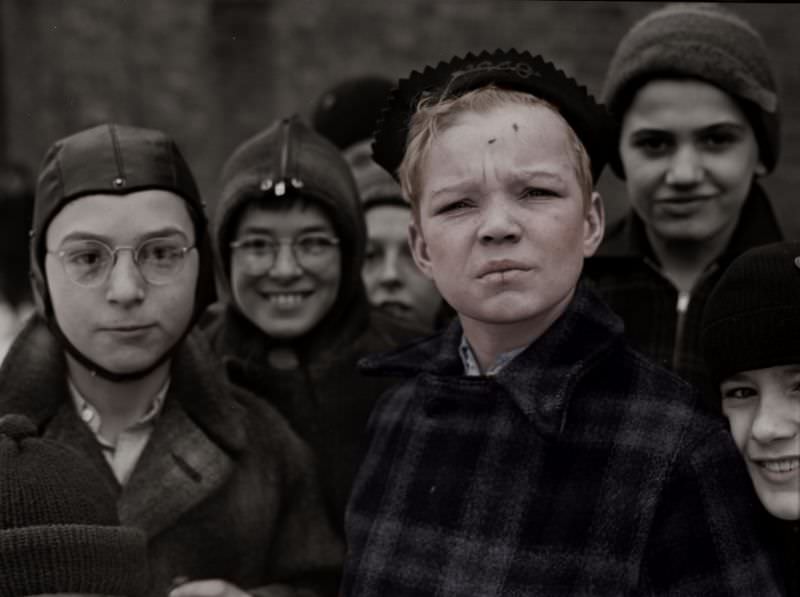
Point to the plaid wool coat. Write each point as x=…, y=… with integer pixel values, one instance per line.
x=223, y=488
x=627, y=275
x=581, y=468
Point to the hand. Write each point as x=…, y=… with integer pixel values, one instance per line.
x=207, y=588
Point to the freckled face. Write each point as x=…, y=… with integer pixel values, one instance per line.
x=763, y=408
x=503, y=225
x=689, y=155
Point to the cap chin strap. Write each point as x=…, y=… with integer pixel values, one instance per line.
x=101, y=371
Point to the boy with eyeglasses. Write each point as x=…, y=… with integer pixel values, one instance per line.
x=290, y=237
x=121, y=262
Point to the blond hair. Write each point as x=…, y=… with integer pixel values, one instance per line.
x=432, y=117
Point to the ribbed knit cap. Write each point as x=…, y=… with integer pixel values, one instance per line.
x=706, y=42
x=59, y=529
x=752, y=317
x=505, y=69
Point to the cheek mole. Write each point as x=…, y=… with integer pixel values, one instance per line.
x=515, y=126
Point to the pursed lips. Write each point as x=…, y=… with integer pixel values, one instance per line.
x=501, y=267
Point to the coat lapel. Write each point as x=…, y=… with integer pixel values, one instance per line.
x=191, y=452
x=179, y=468
x=66, y=428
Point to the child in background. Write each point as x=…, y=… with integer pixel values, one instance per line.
x=348, y=115
x=294, y=319
x=751, y=328
x=693, y=89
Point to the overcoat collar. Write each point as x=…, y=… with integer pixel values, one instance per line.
x=194, y=443
x=541, y=379
x=247, y=349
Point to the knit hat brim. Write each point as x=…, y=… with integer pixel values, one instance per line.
x=507, y=69
x=104, y=560
x=705, y=42
x=751, y=319
x=754, y=340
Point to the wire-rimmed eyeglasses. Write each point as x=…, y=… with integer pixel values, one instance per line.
x=257, y=254
x=89, y=262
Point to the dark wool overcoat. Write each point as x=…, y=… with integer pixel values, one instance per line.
x=658, y=321
x=319, y=390
x=311, y=379
x=581, y=468
x=223, y=489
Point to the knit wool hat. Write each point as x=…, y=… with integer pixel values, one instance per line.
x=752, y=317
x=706, y=42
x=59, y=529
x=112, y=159
x=507, y=69
x=348, y=112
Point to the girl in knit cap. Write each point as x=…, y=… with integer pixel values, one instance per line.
x=295, y=319
x=750, y=332
x=693, y=90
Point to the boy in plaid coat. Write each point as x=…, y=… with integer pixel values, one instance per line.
x=531, y=451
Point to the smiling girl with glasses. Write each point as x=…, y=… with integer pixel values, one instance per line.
x=290, y=236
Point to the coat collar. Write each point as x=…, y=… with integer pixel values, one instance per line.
x=246, y=348
x=33, y=381
x=541, y=379
x=194, y=443
x=179, y=468
x=757, y=225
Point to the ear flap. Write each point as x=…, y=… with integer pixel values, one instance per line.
x=39, y=287
x=38, y=282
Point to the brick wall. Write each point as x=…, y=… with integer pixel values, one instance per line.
x=214, y=71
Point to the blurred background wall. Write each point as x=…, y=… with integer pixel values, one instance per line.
x=212, y=72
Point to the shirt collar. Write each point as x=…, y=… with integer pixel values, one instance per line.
x=471, y=366
x=542, y=378
x=89, y=414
